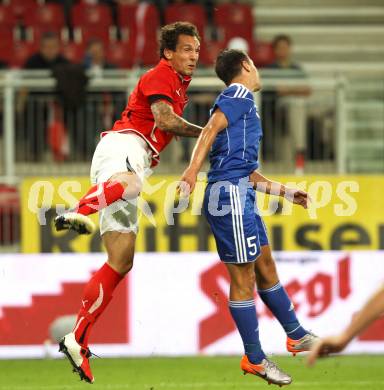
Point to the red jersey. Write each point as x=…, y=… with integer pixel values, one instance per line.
x=162, y=80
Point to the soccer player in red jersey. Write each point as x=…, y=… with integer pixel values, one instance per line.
x=120, y=162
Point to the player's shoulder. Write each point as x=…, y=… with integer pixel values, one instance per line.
x=159, y=72
x=236, y=91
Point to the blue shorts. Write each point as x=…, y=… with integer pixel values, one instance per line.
x=238, y=229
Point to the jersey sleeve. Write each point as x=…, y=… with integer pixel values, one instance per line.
x=233, y=106
x=157, y=84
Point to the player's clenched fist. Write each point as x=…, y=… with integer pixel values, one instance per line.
x=297, y=196
x=187, y=182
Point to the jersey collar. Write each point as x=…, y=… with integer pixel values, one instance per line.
x=239, y=84
x=183, y=78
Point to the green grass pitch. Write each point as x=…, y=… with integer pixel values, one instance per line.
x=202, y=373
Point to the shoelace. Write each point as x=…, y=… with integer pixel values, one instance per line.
x=309, y=337
x=273, y=367
x=90, y=354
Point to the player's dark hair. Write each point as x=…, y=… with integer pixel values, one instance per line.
x=228, y=64
x=281, y=38
x=169, y=35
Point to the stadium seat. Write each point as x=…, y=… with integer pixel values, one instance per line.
x=47, y=17
x=7, y=16
x=193, y=13
x=21, y=8
x=91, y=21
x=209, y=51
x=125, y=16
x=139, y=25
x=7, y=25
x=262, y=53
x=6, y=52
x=234, y=20
x=121, y=54
x=91, y=15
x=84, y=35
x=150, y=54
x=74, y=52
x=6, y=42
x=133, y=17
x=21, y=52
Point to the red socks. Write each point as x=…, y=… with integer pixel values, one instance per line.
x=97, y=294
x=100, y=196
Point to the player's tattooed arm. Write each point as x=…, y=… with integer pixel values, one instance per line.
x=167, y=120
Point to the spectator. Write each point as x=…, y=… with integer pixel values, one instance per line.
x=95, y=60
x=45, y=110
x=282, y=47
x=48, y=55
x=99, y=114
x=281, y=113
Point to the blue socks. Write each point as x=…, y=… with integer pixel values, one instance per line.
x=277, y=300
x=244, y=315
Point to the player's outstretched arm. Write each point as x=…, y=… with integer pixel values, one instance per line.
x=216, y=123
x=370, y=311
x=167, y=120
x=263, y=184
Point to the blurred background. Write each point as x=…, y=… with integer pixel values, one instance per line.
x=67, y=68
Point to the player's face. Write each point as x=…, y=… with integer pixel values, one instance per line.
x=254, y=77
x=184, y=58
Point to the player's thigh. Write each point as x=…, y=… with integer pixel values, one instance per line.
x=120, y=248
x=234, y=229
x=120, y=216
x=265, y=269
x=117, y=153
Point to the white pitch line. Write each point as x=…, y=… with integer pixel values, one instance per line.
x=196, y=385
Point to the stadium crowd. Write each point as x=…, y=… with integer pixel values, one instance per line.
x=127, y=29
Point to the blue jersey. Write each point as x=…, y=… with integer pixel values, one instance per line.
x=234, y=153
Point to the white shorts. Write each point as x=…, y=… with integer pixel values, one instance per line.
x=111, y=156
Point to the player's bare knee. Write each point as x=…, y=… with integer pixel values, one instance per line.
x=121, y=253
x=122, y=264
x=133, y=188
x=266, y=273
x=126, y=266
x=265, y=265
x=131, y=182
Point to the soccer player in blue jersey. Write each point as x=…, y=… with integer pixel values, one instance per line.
x=232, y=135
